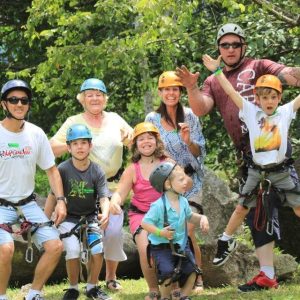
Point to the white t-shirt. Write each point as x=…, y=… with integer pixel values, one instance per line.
x=19, y=154
x=107, y=150
x=268, y=134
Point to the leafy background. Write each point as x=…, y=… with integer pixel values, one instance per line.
x=55, y=45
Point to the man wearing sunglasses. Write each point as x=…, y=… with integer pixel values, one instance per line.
x=24, y=145
x=242, y=72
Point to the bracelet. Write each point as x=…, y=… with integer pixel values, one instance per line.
x=218, y=71
x=157, y=232
x=190, y=143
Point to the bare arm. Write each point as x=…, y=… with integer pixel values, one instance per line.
x=103, y=217
x=166, y=232
x=212, y=65
x=200, y=220
x=296, y=103
x=50, y=205
x=199, y=103
x=58, y=148
x=123, y=189
x=57, y=188
x=290, y=76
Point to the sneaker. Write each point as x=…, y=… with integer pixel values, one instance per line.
x=225, y=248
x=97, y=293
x=259, y=282
x=71, y=294
x=37, y=297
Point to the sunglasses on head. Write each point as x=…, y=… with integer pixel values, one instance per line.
x=15, y=100
x=234, y=45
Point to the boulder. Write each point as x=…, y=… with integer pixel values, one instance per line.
x=218, y=204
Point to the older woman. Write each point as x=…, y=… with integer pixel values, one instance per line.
x=109, y=132
x=182, y=135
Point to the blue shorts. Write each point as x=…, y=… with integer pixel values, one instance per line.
x=166, y=262
x=33, y=213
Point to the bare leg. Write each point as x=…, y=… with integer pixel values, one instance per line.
x=72, y=266
x=166, y=290
x=111, y=269
x=297, y=211
x=95, y=265
x=188, y=286
x=47, y=263
x=265, y=254
x=149, y=273
x=6, y=255
x=197, y=254
x=236, y=219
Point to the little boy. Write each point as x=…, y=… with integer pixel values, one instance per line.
x=86, y=188
x=268, y=126
x=166, y=221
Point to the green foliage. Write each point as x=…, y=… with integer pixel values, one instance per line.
x=57, y=44
x=41, y=183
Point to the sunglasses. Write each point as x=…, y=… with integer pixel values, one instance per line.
x=15, y=100
x=234, y=45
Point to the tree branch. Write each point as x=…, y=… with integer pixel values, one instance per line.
x=278, y=13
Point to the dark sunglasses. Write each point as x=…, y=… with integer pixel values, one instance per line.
x=234, y=45
x=15, y=100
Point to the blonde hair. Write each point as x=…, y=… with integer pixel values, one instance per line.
x=80, y=97
x=263, y=91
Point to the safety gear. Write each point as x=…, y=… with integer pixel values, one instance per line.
x=269, y=81
x=230, y=28
x=169, y=78
x=15, y=84
x=78, y=131
x=160, y=174
x=93, y=84
x=142, y=128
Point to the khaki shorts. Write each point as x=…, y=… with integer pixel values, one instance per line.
x=280, y=180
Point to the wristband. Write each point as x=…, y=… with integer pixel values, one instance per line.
x=218, y=71
x=61, y=198
x=157, y=232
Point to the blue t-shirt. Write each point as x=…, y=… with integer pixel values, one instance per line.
x=155, y=216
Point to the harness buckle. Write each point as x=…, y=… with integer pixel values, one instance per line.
x=84, y=257
x=29, y=255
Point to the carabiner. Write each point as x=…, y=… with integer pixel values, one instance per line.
x=29, y=255
x=270, y=228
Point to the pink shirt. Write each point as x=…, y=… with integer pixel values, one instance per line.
x=243, y=80
x=143, y=193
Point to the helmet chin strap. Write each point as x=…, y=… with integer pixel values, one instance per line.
x=9, y=115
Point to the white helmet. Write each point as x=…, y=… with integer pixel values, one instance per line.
x=230, y=28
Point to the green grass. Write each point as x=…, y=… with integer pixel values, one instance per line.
x=137, y=289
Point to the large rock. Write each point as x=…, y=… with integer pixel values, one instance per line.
x=218, y=203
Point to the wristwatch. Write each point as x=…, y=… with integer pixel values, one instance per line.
x=61, y=198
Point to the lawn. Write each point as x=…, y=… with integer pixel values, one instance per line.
x=136, y=290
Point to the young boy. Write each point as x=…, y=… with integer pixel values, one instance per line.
x=86, y=188
x=166, y=221
x=268, y=126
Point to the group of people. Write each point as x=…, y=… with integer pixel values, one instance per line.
x=84, y=218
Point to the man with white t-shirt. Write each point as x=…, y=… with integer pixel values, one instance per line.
x=23, y=146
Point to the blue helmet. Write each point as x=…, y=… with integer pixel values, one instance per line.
x=15, y=84
x=93, y=84
x=78, y=131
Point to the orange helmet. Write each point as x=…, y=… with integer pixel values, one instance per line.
x=169, y=78
x=269, y=81
x=142, y=128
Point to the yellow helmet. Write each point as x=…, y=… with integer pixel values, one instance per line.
x=142, y=128
x=169, y=78
x=269, y=81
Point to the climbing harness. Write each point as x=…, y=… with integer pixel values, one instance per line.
x=27, y=229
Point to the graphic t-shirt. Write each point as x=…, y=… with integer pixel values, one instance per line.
x=243, y=80
x=268, y=134
x=19, y=154
x=82, y=188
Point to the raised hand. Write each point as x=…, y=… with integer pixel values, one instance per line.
x=210, y=63
x=188, y=79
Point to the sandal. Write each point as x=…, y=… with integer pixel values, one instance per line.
x=153, y=296
x=198, y=287
x=113, y=285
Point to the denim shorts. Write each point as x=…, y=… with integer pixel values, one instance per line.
x=33, y=213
